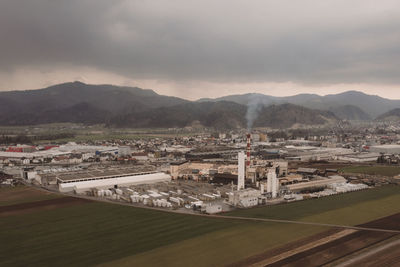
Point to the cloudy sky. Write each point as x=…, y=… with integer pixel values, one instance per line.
x=204, y=48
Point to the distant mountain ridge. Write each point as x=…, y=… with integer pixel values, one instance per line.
x=73, y=102
x=392, y=115
x=289, y=115
x=349, y=112
x=225, y=114
x=347, y=105
x=118, y=106
x=108, y=97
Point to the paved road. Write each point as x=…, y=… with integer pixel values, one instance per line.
x=353, y=261
x=225, y=216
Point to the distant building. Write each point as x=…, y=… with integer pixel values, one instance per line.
x=124, y=151
x=23, y=148
x=307, y=171
x=175, y=167
x=244, y=198
x=112, y=181
x=361, y=157
x=317, y=183
x=224, y=178
x=386, y=149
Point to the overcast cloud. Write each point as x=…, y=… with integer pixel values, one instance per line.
x=203, y=48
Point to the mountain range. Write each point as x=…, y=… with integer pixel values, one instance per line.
x=351, y=105
x=118, y=106
x=392, y=115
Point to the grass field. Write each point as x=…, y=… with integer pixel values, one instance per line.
x=221, y=247
x=238, y=242
x=363, y=206
x=95, y=233
x=373, y=170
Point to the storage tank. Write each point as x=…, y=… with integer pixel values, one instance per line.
x=100, y=193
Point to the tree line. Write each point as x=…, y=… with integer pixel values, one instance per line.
x=30, y=139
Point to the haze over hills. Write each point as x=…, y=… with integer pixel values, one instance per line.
x=134, y=107
x=347, y=105
x=224, y=114
x=350, y=112
x=392, y=115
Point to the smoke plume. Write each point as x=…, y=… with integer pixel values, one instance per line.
x=253, y=109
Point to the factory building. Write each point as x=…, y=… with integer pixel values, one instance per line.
x=30, y=175
x=105, y=182
x=21, y=149
x=224, y=178
x=305, y=153
x=385, y=149
x=244, y=198
x=291, y=178
x=124, y=151
x=260, y=169
x=181, y=168
x=362, y=157
x=317, y=183
x=307, y=171
x=176, y=167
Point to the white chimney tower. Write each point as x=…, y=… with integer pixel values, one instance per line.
x=241, y=170
x=274, y=185
x=269, y=182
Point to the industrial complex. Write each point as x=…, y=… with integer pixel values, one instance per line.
x=197, y=174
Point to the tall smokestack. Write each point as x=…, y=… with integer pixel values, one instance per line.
x=248, y=150
x=241, y=170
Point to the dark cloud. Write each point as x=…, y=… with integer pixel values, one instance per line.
x=240, y=41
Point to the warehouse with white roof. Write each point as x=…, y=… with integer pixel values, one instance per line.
x=105, y=182
x=386, y=149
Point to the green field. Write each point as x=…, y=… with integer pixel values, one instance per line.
x=373, y=170
x=114, y=235
x=221, y=247
x=349, y=208
x=93, y=233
